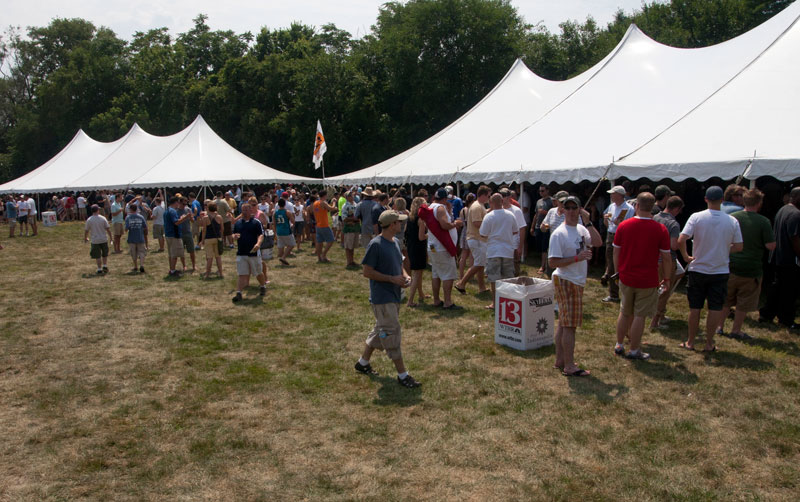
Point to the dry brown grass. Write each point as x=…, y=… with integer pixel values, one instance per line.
x=134, y=387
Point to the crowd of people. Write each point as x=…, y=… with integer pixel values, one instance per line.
x=481, y=238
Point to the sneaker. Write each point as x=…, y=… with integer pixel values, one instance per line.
x=262, y=290
x=619, y=349
x=99, y=271
x=141, y=269
x=610, y=299
x=408, y=382
x=237, y=298
x=105, y=270
x=638, y=355
x=365, y=369
x=603, y=281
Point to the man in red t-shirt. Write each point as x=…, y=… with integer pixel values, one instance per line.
x=640, y=245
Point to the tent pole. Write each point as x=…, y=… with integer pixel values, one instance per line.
x=602, y=179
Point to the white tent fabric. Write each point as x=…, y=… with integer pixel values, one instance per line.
x=755, y=118
x=195, y=156
x=520, y=97
x=529, y=129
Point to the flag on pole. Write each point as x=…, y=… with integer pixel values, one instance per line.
x=319, y=146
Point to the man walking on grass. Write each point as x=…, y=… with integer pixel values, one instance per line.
x=117, y=222
x=639, y=242
x=476, y=242
x=715, y=235
x=283, y=229
x=136, y=226
x=570, y=251
x=249, y=233
x=324, y=237
x=383, y=266
x=97, y=226
x=744, y=283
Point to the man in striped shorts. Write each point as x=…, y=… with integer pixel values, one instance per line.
x=570, y=251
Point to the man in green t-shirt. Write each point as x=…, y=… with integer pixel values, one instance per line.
x=744, y=282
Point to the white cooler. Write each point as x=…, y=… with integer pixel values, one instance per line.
x=49, y=218
x=523, y=314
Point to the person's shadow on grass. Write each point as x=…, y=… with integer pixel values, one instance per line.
x=736, y=360
x=392, y=393
x=665, y=365
x=789, y=348
x=593, y=386
x=92, y=276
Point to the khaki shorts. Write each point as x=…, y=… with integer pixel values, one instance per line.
x=743, y=292
x=212, y=249
x=386, y=335
x=443, y=266
x=118, y=228
x=266, y=254
x=285, y=241
x=158, y=231
x=570, y=302
x=248, y=265
x=350, y=240
x=364, y=240
x=195, y=228
x=637, y=302
x=174, y=247
x=478, y=250
x=499, y=268
x=137, y=250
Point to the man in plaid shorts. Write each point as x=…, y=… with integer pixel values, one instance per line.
x=570, y=252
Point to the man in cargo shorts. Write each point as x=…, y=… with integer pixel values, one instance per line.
x=499, y=227
x=383, y=266
x=172, y=230
x=249, y=233
x=570, y=252
x=639, y=242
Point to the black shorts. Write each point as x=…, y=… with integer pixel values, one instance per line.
x=298, y=227
x=22, y=219
x=541, y=240
x=227, y=228
x=702, y=287
x=99, y=250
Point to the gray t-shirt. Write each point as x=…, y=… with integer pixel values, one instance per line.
x=385, y=257
x=542, y=204
x=673, y=227
x=364, y=213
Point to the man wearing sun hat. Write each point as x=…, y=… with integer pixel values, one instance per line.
x=383, y=266
x=618, y=211
x=715, y=235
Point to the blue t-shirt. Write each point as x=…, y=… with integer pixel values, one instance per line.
x=282, y=226
x=385, y=257
x=248, y=231
x=458, y=205
x=118, y=218
x=170, y=228
x=135, y=224
x=11, y=210
x=376, y=213
x=196, y=208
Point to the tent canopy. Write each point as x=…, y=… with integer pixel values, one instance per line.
x=667, y=112
x=195, y=156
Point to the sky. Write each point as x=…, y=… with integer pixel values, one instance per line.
x=126, y=17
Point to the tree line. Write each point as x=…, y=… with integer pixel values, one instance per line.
x=423, y=64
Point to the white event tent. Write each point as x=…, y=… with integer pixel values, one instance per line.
x=668, y=113
x=195, y=156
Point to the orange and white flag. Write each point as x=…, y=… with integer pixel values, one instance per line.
x=319, y=146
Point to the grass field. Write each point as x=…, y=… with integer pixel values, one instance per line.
x=138, y=387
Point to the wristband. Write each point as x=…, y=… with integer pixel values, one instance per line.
x=576, y=259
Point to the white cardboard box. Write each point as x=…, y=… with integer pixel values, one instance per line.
x=523, y=314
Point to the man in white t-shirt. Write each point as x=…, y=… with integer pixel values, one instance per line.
x=97, y=226
x=618, y=211
x=81, y=207
x=158, y=222
x=519, y=236
x=22, y=214
x=715, y=235
x=499, y=227
x=32, y=215
x=570, y=251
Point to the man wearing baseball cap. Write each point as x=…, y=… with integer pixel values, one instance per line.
x=715, y=235
x=554, y=217
x=383, y=266
x=618, y=211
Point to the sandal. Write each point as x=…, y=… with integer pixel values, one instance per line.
x=712, y=349
x=412, y=305
x=463, y=291
x=438, y=304
x=577, y=373
x=685, y=345
x=452, y=306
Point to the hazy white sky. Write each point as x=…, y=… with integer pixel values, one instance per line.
x=126, y=17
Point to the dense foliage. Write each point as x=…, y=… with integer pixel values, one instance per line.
x=424, y=63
